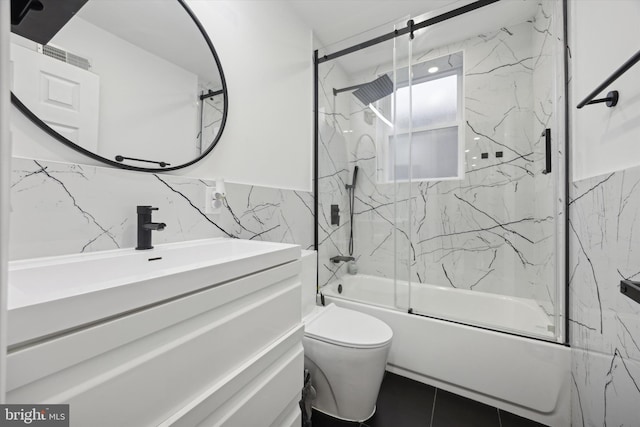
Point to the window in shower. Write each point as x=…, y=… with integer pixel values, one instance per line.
x=429, y=118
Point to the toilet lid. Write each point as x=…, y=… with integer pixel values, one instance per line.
x=348, y=328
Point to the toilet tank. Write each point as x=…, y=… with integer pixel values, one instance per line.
x=309, y=277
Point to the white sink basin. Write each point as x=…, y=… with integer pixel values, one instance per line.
x=55, y=294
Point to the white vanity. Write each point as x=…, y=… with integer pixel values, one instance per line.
x=198, y=333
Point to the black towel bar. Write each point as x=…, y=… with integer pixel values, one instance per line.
x=612, y=97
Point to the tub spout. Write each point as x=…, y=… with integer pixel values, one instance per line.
x=341, y=258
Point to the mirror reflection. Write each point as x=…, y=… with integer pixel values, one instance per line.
x=132, y=83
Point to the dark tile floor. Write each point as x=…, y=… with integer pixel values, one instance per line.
x=406, y=403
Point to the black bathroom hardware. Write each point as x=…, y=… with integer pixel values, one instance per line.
x=547, y=150
x=146, y=226
x=335, y=215
x=370, y=92
x=340, y=258
x=211, y=94
x=410, y=24
x=612, y=97
x=352, y=201
x=631, y=289
x=354, y=179
x=406, y=30
x=120, y=158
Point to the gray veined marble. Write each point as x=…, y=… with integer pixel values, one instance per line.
x=211, y=120
x=59, y=208
x=605, y=325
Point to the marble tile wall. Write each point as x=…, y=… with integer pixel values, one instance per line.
x=335, y=169
x=494, y=231
x=605, y=325
x=211, y=120
x=61, y=208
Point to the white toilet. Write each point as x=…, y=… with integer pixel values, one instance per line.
x=344, y=350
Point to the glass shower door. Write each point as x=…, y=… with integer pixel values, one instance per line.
x=484, y=188
x=357, y=130
x=396, y=163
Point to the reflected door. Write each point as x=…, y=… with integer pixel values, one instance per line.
x=65, y=97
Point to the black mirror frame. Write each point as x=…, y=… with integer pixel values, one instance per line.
x=36, y=120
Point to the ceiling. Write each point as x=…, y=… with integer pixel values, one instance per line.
x=333, y=21
x=163, y=21
x=338, y=24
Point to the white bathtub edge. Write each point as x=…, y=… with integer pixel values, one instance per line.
x=527, y=377
x=561, y=417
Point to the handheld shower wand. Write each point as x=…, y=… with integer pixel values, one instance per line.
x=352, y=198
x=353, y=180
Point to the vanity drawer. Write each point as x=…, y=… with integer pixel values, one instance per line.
x=142, y=368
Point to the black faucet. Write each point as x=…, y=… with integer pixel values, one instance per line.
x=339, y=258
x=145, y=227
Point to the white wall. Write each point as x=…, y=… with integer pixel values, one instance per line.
x=266, y=55
x=603, y=35
x=5, y=167
x=148, y=102
x=147, y=105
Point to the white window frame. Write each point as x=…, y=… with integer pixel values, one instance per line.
x=385, y=172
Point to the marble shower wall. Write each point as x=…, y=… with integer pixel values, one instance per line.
x=605, y=325
x=211, y=120
x=60, y=208
x=493, y=231
x=604, y=242
x=335, y=169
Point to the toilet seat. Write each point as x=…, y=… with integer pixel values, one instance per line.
x=347, y=328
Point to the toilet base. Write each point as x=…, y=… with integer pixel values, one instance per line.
x=345, y=419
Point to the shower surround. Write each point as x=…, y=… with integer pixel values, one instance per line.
x=605, y=324
x=494, y=231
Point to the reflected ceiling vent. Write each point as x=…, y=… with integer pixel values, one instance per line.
x=64, y=56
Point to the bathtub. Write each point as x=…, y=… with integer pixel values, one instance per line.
x=529, y=377
x=510, y=314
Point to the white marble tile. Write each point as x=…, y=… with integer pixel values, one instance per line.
x=605, y=325
x=334, y=171
x=59, y=208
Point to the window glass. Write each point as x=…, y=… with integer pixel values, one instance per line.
x=435, y=102
x=434, y=154
x=436, y=125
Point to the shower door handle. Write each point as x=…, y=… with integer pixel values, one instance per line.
x=547, y=151
x=631, y=289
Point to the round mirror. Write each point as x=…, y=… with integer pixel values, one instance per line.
x=135, y=84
